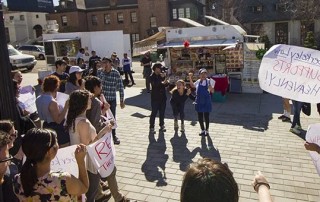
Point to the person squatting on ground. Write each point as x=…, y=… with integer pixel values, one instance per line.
x=158, y=96
x=146, y=63
x=37, y=182
x=296, y=125
x=82, y=132
x=285, y=117
x=179, y=95
x=126, y=63
x=50, y=112
x=210, y=180
x=204, y=89
x=111, y=83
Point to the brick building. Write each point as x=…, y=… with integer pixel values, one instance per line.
x=139, y=18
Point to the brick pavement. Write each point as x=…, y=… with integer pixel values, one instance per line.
x=244, y=132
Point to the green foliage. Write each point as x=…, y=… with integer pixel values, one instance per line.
x=260, y=53
x=265, y=39
x=310, y=41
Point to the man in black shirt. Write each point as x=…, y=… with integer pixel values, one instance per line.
x=61, y=74
x=93, y=60
x=158, y=96
x=146, y=63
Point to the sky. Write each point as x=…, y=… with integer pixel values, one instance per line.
x=55, y=2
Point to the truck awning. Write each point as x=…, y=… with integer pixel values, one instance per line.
x=196, y=44
x=60, y=40
x=140, y=47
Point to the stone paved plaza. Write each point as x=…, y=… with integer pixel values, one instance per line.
x=244, y=132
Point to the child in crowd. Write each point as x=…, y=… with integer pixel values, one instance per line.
x=178, y=98
x=204, y=87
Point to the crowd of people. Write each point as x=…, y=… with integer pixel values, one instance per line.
x=79, y=121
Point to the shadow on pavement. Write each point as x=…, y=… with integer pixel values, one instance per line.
x=155, y=164
x=181, y=153
x=208, y=150
x=251, y=111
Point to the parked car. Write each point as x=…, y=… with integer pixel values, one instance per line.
x=35, y=50
x=19, y=60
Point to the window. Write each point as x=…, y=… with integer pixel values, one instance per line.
x=63, y=4
x=181, y=12
x=64, y=20
x=11, y=17
x=134, y=37
x=305, y=27
x=37, y=16
x=188, y=13
x=153, y=22
x=257, y=9
x=281, y=33
x=106, y=19
x=174, y=14
x=134, y=17
x=120, y=17
x=22, y=17
x=94, y=20
x=282, y=7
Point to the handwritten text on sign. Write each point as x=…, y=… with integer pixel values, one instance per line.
x=102, y=154
x=313, y=136
x=291, y=72
x=65, y=161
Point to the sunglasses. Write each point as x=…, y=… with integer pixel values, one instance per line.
x=9, y=159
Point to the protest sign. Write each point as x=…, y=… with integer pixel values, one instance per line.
x=65, y=161
x=109, y=119
x=313, y=136
x=29, y=102
x=292, y=72
x=26, y=89
x=102, y=154
x=62, y=98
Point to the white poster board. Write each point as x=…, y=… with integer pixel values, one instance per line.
x=65, y=161
x=292, y=72
x=102, y=154
x=313, y=136
x=62, y=98
x=29, y=102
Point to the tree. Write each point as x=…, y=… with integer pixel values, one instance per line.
x=310, y=41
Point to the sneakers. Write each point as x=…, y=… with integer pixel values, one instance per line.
x=116, y=140
x=286, y=119
x=295, y=130
x=163, y=129
x=182, y=127
x=176, y=126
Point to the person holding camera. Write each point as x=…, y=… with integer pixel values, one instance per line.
x=158, y=96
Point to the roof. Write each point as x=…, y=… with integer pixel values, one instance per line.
x=201, y=43
x=191, y=22
x=149, y=43
x=91, y=4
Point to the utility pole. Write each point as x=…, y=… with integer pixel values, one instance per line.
x=7, y=97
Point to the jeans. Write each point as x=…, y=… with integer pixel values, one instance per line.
x=130, y=75
x=159, y=105
x=113, y=105
x=296, y=113
x=94, y=180
x=148, y=83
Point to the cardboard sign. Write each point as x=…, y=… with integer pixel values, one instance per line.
x=65, y=161
x=292, y=72
x=313, y=136
x=26, y=89
x=102, y=154
x=109, y=119
x=29, y=102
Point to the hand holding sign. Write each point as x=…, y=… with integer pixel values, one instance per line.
x=80, y=153
x=313, y=144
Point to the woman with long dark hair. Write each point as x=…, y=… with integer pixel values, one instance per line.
x=83, y=132
x=50, y=112
x=37, y=182
x=75, y=81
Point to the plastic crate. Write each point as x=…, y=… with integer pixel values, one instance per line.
x=218, y=97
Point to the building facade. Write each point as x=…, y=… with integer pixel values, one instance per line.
x=139, y=18
x=23, y=27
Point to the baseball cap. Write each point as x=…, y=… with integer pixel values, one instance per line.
x=202, y=70
x=75, y=69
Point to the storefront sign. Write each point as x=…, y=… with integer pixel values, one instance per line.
x=291, y=72
x=31, y=5
x=313, y=136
